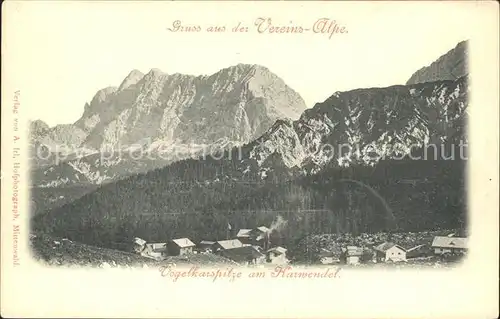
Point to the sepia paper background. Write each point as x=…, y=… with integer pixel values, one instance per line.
x=471, y=290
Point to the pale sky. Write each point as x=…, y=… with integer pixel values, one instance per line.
x=63, y=53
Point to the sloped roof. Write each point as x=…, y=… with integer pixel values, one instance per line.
x=240, y=254
x=449, y=242
x=259, y=233
x=157, y=247
x=183, y=242
x=263, y=229
x=326, y=254
x=230, y=244
x=207, y=242
x=386, y=246
x=354, y=251
x=332, y=252
x=329, y=254
x=244, y=232
x=139, y=241
x=278, y=249
x=416, y=247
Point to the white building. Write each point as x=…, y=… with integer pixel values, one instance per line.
x=277, y=255
x=390, y=252
x=452, y=245
x=353, y=255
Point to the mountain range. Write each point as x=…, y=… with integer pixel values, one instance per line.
x=170, y=117
x=295, y=165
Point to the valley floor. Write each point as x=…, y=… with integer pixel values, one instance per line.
x=63, y=252
x=55, y=251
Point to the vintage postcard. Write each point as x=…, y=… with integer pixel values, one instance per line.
x=249, y=159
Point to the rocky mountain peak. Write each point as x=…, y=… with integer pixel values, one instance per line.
x=251, y=67
x=154, y=73
x=362, y=126
x=37, y=129
x=132, y=78
x=245, y=72
x=103, y=94
x=450, y=66
x=38, y=125
x=241, y=67
x=236, y=104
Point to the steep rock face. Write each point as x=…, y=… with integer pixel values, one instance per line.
x=47, y=144
x=171, y=117
x=281, y=140
x=361, y=127
x=237, y=104
x=58, y=138
x=64, y=135
x=451, y=66
x=364, y=126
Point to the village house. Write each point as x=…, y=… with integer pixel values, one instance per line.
x=260, y=236
x=352, y=255
x=327, y=257
x=449, y=245
x=243, y=235
x=205, y=246
x=259, y=233
x=156, y=251
x=227, y=244
x=276, y=255
x=244, y=255
x=390, y=252
x=180, y=246
x=139, y=244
